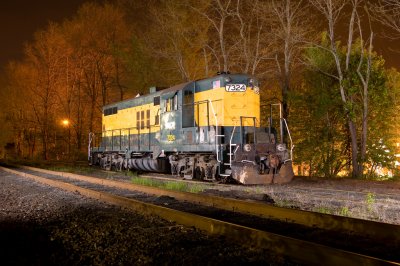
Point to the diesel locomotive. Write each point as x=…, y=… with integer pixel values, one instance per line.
x=208, y=129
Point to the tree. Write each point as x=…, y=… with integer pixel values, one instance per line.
x=388, y=13
x=17, y=116
x=332, y=10
x=250, y=48
x=44, y=57
x=291, y=27
x=173, y=39
x=324, y=120
x=98, y=34
x=317, y=120
x=217, y=13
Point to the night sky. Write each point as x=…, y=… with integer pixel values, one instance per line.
x=19, y=19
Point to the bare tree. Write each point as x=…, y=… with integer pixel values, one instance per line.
x=218, y=13
x=44, y=57
x=388, y=13
x=364, y=78
x=17, y=115
x=255, y=34
x=174, y=39
x=291, y=28
x=96, y=35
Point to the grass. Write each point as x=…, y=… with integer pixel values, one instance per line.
x=344, y=211
x=323, y=209
x=170, y=185
x=178, y=186
x=283, y=203
x=145, y=182
x=72, y=169
x=131, y=174
x=370, y=201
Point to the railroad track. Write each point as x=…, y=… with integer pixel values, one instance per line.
x=374, y=230
x=323, y=193
x=304, y=251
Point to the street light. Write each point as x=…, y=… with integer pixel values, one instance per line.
x=65, y=122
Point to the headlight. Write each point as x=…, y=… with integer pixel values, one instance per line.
x=247, y=147
x=281, y=147
x=228, y=79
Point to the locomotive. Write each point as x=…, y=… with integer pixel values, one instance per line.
x=208, y=129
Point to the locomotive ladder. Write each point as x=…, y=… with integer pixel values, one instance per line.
x=231, y=146
x=218, y=144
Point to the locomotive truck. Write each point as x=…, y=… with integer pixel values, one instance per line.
x=208, y=129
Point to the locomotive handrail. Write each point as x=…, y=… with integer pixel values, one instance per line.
x=216, y=131
x=280, y=117
x=231, y=145
x=91, y=134
x=290, y=138
x=120, y=135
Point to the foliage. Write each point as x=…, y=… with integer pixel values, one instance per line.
x=323, y=116
x=320, y=121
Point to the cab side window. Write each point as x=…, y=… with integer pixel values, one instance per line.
x=171, y=104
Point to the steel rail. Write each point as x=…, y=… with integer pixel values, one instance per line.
x=302, y=251
x=380, y=231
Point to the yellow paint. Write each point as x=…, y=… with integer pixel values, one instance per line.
x=126, y=121
x=171, y=137
x=228, y=107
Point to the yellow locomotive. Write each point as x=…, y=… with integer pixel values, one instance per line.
x=207, y=129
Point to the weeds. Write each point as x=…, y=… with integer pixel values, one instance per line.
x=259, y=190
x=283, y=203
x=196, y=188
x=72, y=169
x=131, y=174
x=344, y=211
x=146, y=182
x=370, y=200
x=178, y=186
x=170, y=185
x=323, y=209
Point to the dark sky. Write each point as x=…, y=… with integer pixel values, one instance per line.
x=19, y=19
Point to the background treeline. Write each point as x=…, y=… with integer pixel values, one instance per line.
x=315, y=56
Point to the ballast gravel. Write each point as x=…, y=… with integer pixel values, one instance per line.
x=41, y=225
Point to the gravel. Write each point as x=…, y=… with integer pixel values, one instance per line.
x=41, y=225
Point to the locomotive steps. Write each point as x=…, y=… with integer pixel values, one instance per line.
x=298, y=249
